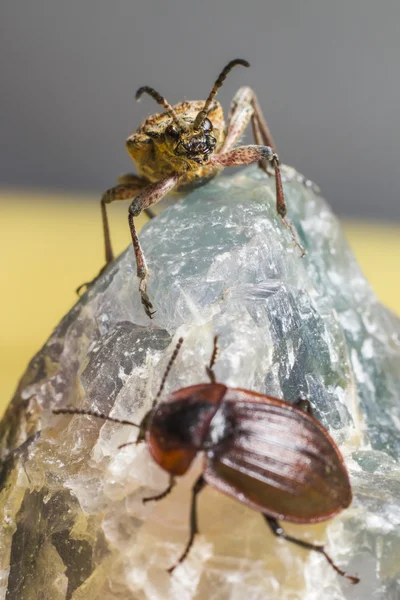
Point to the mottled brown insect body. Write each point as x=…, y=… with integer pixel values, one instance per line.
x=269, y=454
x=155, y=152
x=183, y=148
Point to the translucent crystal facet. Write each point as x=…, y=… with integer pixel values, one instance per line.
x=221, y=261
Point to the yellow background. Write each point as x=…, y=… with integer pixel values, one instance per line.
x=50, y=243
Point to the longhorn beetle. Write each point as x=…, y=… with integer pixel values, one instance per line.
x=266, y=453
x=184, y=148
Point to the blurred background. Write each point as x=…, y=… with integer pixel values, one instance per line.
x=327, y=77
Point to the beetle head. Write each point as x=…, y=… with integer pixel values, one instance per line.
x=193, y=144
x=176, y=135
x=186, y=133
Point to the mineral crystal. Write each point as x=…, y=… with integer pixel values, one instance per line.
x=74, y=525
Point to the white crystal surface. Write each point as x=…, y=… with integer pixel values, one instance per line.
x=74, y=525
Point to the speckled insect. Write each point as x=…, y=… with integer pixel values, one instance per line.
x=271, y=455
x=184, y=148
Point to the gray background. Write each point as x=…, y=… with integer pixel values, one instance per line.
x=326, y=72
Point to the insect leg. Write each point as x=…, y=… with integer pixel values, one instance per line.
x=241, y=113
x=245, y=107
x=245, y=155
x=131, y=178
x=198, y=486
x=262, y=135
x=123, y=191
x=279, y=532
x=149, y=213
x=163, y=494
x=302, y=403
x=261, y=132
x=151, y=194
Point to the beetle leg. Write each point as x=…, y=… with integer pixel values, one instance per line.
x=279, y=532
x=198, y=486
x=124, y=191
x=262, y=135
x=302, y=403
x=245, y=155
x=245, y=107
x=150, y=213
x=152, y=193
x=131, y=178
x=163, y=494
x=238, y=119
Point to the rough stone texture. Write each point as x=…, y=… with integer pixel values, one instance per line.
x=74, y=525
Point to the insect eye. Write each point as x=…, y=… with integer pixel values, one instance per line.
x=207, y=125
x=172, y=132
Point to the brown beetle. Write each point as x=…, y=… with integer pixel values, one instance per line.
x=267, y=453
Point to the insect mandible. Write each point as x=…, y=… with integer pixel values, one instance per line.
x=272, y=456
x=184, y=148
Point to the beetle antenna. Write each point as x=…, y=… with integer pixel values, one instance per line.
x=161, y=100
x=92, y=413
x=214, y=356
x=167, y=370
x=220, y=80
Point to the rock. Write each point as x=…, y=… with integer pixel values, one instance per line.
x=74, y=525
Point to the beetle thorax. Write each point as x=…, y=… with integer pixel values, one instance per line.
x=179, y=428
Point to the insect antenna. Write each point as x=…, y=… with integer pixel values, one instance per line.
x=160, y=100
x=92, y=413
x=220, y=80
x=163, y=380
x=214, y=356
x=167, y=370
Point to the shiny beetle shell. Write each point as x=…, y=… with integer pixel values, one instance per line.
x=264, y=452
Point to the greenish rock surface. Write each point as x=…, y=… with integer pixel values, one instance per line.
x=73, y=522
